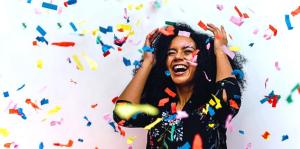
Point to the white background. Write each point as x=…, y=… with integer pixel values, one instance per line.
x=18, y=60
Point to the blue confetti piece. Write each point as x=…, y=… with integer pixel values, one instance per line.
x=264, y=100
x=238, y=72
x=251, y=44
x=242, y=132
x=89, y=124
x=207, y=40
x=44, y=101
x=6, y=94
x=71, y=2
x=41, y=146
x=135, y=115
x=41, y=39
x=147, y=49
x=126, y=61
x=284, y=137
x=73, y=26
x=21, y=87
x=105, y=30
x=137, y=64
x=41, y=30
x=29, y=1
x=106, y=47
x=185, y=146
x=211, y=111
x=80, y=140
x=20, y=111
x=49, y=6
x=113, y=126
x=236, y=96
x=167, y=73
x=170, y=118
x=288, y=22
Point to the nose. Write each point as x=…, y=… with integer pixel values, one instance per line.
x=179, y=55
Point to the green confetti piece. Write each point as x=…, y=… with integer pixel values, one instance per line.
x=295, y=87
x=289, y=99
x=170, y=23
x=59, y=25
x=24, y=25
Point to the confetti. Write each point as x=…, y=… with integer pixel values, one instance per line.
x=228, y=52
x=251, y=44
x=4, y=132
x=40, y=63
x=6, y=94
x=236, y=20
x=238, y=73
x=70, y=2
x=126, y=61
x=173, y=107
x=105, y=30
x=41, y=30
x=202, y=25
x=73, y=26
x=147, y=49
x=126, y=110
x=80, y=140
x=130, y=140
x=197, y=142
x=64, y=44
x=28, y=101
x=21, y=87
x=233, y=104
x=184, y=33
x=49, y=6
x=91, y=63
x=295, y=12
x=206, y=76
x=41, y=146
x=284, y=137
x=266, y=135
x=220, y=7
x=148, y=127
x=277, y=66
x=170, y=92
x=163, y=101
x=55, y=110
x=228, y=123
x=167, y=73
x=78, y=63
x=89, y=123
x=69, y=144
x=238, y=11
x=181, y=115
x=273, y=29
x=168, y=31
x=185, y=146
x=242, y=132
x=170, y=23
x=288, y=22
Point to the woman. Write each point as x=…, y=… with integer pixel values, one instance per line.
x=201, y=77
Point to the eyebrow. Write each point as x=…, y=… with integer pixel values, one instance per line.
x=184, y=47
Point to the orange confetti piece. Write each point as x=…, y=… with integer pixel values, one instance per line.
x=114, y=100
x=7, y=145
x=94, y=105
x=274, y=30
x=197, y=142
x=163, y=101
x=170, y=92
x=233, y=104
x=168, y=31
x=202, y=25
x=295, y=12
x=70, y=144
x=34, y=43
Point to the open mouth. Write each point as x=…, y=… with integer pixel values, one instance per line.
x=179, y=69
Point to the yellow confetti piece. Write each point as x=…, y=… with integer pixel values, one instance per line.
x=77, y=61
x=125, y=27
x=94, y=32
x=205, y=110
x=148, y=127
x=139, y=7
x=125, y=110
x=138, y=22
x=130, y=6
x=212, y=103
x=130, y=140
x=211, y=125
x=92, y=64
x=4, y=132
x=54, y=110
x=218, y=101
x=234, y=48
x=84, y=32
x=40, y=63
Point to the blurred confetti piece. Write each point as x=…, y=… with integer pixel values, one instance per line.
x=77, y=61
x=249, y=146
x=69, y=144
x=167, y=73
x=234, y=48
x=6, y=94
x=55, y=110
x=21, y=87
x=44, y=101
x=4, y=132
x=233, y=104
x=89, y=123
x=126, y=61
x=231, y=54
x=41, y=30
x=288, y=22
x=126, y=111
x=94, y=106
x=228, y=123
x=202, y=25
x=238, y=11
x=168, y=31
x=238, y=73
x=49, y=6
x=41, y=146
x=277, y=66
x=242, y=132
x=220, y=7
x=170, y=92
x=105, y=30
x=163, y=101
x=251, y=44
x=40, y=63
x=284, y=137
x=70, y=2
x=148, y=127
x=266, y=135
x=206, y=76
x=296, y=11
x=266, y=81
x=73, y=26
x=28, y=101
x=64, y=44
x=236, y=20
x=130, y=140
x=197, y=142
x=92, y=64
x=181, y=115
x=80, y=140
x=124, y=27
x=184, y=33
x=185, y=146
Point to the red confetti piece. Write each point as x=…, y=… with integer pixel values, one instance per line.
x=202, y=25
x=114, y=100
x=238, y=11
x=119, y=49
x=246, y=15
x=274, y=30
x=168, y=31
x=34, y=43
x=94, y=105
x=170, y=92
x=70, y=144
x=122, y=132
x=299, y=90
x=266, y=135
x=163, y=101
x=106, y=53
x=197, y=142
x=28, y=101
x=63, y=44
x=121, y=122
x=173, y=107
x=233, y=104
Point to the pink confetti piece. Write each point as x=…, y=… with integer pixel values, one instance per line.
x=228, y=52
x=255, y=31
x=236, y=20
x=206, y=76
x=266, y=82
x=208, y=46
x=249, y=146
x=277, y=66
x=181, y=115
x=184, y=33
x=107, y=117
x=228, y=123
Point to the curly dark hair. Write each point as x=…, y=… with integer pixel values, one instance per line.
x=157, y=80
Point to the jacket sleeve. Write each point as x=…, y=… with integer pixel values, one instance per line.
x=137, y=120
x=229, y=103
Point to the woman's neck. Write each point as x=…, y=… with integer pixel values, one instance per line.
x=184, y=94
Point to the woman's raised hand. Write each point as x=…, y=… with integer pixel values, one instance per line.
x=149, y=56
x=220, y=37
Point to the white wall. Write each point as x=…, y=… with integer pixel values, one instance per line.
x=18, y=60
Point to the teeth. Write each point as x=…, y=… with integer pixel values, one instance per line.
x=180, y=66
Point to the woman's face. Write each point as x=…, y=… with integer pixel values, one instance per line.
x=180, y=52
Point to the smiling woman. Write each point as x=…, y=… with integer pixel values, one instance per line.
x=201, y=78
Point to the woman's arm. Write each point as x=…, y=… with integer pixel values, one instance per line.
x=223, y=65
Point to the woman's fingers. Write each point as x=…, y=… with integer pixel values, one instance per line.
x=151, y=36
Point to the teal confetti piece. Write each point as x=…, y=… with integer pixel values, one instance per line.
x=73, y=26
x=49, y=6
x=170, y=23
